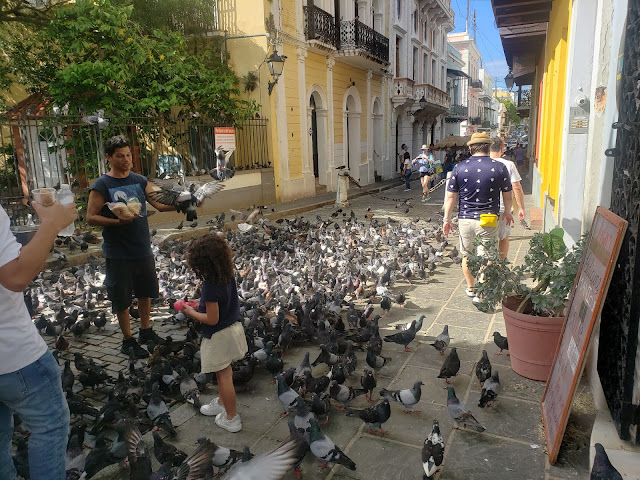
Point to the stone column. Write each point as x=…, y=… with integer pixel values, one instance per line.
x=369, y=140
x=331, y=178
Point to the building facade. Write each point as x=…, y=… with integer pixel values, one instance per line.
x=466, y=45
x=418, y=55
x=458, y=90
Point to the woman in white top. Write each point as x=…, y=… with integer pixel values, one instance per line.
x=425, y=166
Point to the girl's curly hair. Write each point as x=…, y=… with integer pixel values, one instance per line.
x=211, y=258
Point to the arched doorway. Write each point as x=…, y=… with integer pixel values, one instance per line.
x=351, y=114
x=377, y=138
x=317, y=120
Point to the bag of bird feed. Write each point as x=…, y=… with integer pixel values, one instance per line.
x=134, y=206
x=120, y=210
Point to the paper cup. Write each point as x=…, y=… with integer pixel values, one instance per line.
x=44, y=196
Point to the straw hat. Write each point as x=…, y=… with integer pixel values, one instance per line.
x=424, y=147
x=479, y=137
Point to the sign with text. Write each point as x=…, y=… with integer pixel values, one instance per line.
x=585, y=304
x=225, y=137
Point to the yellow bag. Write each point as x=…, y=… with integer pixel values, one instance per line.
x=488, y=220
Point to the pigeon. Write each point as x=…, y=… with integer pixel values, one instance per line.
x=302, y=417
x=302, y=445
x=224, y=166
x=196, y=465
x=368, y=382
x=138, y=454
x=602, y=468
x=159, y=413
x=406, y=326
x=374, y=416
x=321, y=406
x=403, y=338
x=460, y=413
x=483, y=367
x=268, y=466
x=286, y=395
x=189, y=388
x=490, y=391
x=325, y=450
x=344, y=394
x=385, y=305
x=165, y=452
x=185, y=196
x=451, y=366
x=407, y=397
x=442, y=341
x=501, y=342
x=432, y=451
x=376, y=361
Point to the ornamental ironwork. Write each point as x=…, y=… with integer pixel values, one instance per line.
x=355, y=35
x=621, y=311
x=319, y=25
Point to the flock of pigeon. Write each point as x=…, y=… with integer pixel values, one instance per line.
x=309, y=283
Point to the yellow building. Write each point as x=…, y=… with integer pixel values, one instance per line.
x=329, y=108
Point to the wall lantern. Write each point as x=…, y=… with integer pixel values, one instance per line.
x=276, y=66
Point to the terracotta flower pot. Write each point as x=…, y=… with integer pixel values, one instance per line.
x=533, y=340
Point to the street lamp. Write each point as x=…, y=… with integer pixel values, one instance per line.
x=508, y=80
x=276, y=66
x=422, y=102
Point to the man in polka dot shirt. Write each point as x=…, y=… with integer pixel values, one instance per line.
x=476, y=185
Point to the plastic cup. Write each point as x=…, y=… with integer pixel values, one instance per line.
x=44, y=196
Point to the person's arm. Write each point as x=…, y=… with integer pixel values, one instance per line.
x=210, y=318
x=507, y=200
x=17, y=274
x=161, y=207
x=450, y=201
x=519, y=194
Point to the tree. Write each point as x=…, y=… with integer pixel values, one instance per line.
x=514, y=118
x=27, y=12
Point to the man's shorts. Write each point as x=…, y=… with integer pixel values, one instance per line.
x=469, y=229
x=128, y=278
x=504, y=230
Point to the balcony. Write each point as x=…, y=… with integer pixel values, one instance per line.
x=402, y=91
x=362, y=46
x=319, y=27
x=477, y=84
x=457, y=113
x=438, y=102
x=523, y=104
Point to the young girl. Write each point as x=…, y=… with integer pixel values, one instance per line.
x=223, y=340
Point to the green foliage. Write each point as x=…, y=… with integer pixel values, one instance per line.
x=250, y=81
x=513, y=111
x=542, y=283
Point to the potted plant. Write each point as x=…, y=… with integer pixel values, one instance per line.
x=533, y=297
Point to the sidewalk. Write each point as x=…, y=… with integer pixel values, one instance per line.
x=512, y=447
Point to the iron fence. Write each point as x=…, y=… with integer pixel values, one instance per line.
x=38, y=152
x=355, y=34
x=319, y=25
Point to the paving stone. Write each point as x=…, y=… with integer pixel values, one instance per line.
x=462, y=318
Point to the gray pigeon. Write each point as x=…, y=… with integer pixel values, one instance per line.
x=303, y=418
x=189, y=388
x=344, y=394
x=158, y=412
x=490, y=391
x=268, y=466
x=460, y=413
x=374, y=416
x=406, y=326
x=451, y=366
x=287, y=396
x=602, y=468
x=407, y=397
x=442, y=341
x=403, y=338
x=501, y=342
x=432, y=451
x=483, y=367
x=325, y=450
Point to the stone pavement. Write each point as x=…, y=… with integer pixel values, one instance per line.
x=512, y=447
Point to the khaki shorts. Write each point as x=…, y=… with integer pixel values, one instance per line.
x=469, y=229
x=504, y=230
x=226, y=346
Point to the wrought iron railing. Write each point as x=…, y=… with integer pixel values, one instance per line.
x=476, y=84
x=319, y=25
x=524, y=99
x=356, y=35
x=459, y=110
x=475, y=121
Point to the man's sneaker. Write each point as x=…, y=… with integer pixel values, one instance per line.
x=213, y=408
x=407, y=189
x=147, y=334
x=138, y=351
x=469, y=293
x=234, y=425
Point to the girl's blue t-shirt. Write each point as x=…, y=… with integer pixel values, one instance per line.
x=228, y=306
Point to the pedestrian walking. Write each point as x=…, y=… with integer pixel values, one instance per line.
x=223, y=339
x=130, y=266
x=406, y=168
x=476, y=185
x=448, y=162
x=425, y=164
x=496, y=152
x=519, y=153
x=30, y=383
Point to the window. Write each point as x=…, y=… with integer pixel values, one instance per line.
x=425, y=68
x=415, y=20
x=398, y=7
x=415, y=63
x=425, y=30
x=398, y=39
x=443, y=79
x=433, y=73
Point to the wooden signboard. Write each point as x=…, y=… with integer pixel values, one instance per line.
x=585, y=304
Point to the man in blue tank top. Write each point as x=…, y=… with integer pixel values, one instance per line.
x=130, y=266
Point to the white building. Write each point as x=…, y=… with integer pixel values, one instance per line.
x=458, y=90
x=471, y=57
x=418, y=55
x=490, y=105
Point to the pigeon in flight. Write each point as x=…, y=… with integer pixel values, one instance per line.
x=225, y=168
x=184, y=195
